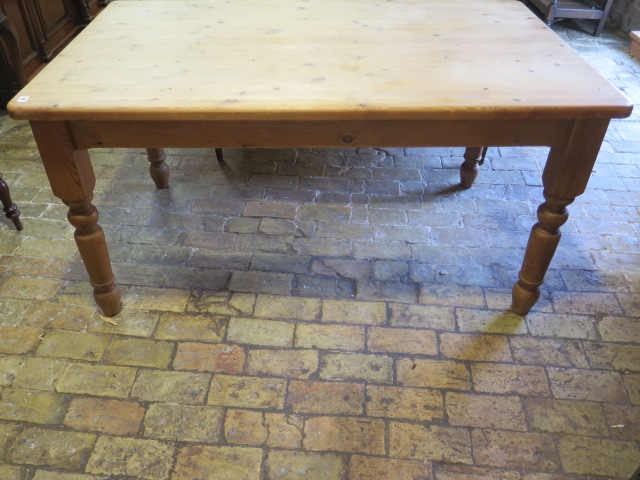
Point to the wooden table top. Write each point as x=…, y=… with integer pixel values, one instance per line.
x=317, y=59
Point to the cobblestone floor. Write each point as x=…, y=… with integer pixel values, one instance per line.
x=325, y=314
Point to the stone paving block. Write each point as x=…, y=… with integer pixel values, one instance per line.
x=7, y=434
x=203, y=357
x=366, y=468
x=324, y=213
x=113, y=417
x=247, y=392
x=130, y=322
x=590, y=385
x=632, y=384
x=341, y=230
x=402, y=340
x=487, y=321
x=564, y=416
x=183, y=423
x=273, y=306
x=97, y=380
x=262, y=282
x=485, y=411
x=32, y=406
x=221, y=303
x=356, y=366
x=464, y=472
x=324, y=287
x=9, y=472
x=404, y=403
x=613, y=357
x=376, y=291
x=156, y=255
x=10, y=365
x=549, y=351
x=250, y=242
x=630, y=303
x=287, y=465
x=51, y=448
x=36, y=373
x=523, y=380
x=419, y=442
x=325, y=397
x=277, y=226
x=433, y=373
x=167, y=386
x=325, y=247
x=365, y=313
x=381, y=250
x=58, y=316
x=139, y=352
x=245, y=427
x=345, y=268
x=145, y=459
x=195, y=462
x=279, y=262
x=18, y=339
x=251, y=331
x=619, y=329
x=187, y=278
x=597, y=456
x=623, y=421
x=201, y=328
x=75, y=345
x=345, y=434
x=270, y=209
x=506, y=449
x=163, y=299
x=47, y=248
x=469, y=346
x=589, y=303
x=282, y=363
x=330, y=337
x=422, y=316
x=562, y=326
x=12, y=311
x=284, y=431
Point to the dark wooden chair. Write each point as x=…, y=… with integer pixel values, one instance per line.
x=553, y=10
x=10, y=37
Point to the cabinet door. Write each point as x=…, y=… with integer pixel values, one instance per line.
x=19, y=14
x=89, y=8
x=56, y=21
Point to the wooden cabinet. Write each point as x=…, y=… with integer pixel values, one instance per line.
x=43, y=28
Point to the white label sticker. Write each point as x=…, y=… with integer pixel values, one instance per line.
x=23, y=99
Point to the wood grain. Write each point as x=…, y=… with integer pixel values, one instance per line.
x=321, y=59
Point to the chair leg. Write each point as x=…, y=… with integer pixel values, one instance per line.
x=10, y=208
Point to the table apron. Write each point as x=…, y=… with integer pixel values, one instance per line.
x=321, y=134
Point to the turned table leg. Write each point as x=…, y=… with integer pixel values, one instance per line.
x=158, y=168
x=72, y=180
x=92, y=246
x=473, y=156
x=543, y=241
x=565, y=176
x=10, y=208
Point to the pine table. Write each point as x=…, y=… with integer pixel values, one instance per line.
x=318, y=73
